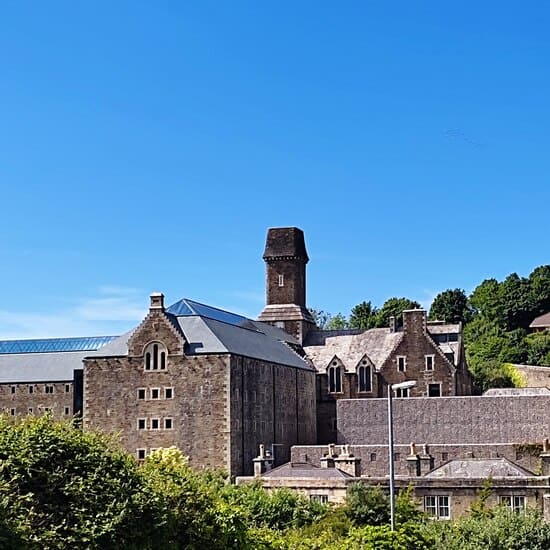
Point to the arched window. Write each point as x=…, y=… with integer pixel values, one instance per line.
x=364, y=377
x=334, y=378
x=155, y=356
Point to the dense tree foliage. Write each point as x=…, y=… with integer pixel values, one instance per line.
x=451, y=306
x=363, y=316
x=62, y=488
x=499, y=331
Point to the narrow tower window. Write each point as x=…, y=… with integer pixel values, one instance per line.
x=335, y=378
x=364, y=375
x=281, y=280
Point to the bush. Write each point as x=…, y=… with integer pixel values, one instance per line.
x=61, y=487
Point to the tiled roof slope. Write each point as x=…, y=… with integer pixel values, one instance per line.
x=479, y=468
x=376, y=343
x=217, y=331
x=350, y=346
x=541, y=321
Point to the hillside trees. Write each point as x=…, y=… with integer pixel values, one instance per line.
x=451, y=306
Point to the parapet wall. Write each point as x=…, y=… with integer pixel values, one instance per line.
x=445, y=420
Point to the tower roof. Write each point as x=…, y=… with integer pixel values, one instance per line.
x=285, y=242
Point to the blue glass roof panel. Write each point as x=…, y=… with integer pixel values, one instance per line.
x=189, y=307
x=50, y=345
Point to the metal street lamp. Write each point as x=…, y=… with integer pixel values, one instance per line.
x=391, y=389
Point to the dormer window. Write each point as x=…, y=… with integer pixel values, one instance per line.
x=155, y=356
x=364, y=377
x=334, y=378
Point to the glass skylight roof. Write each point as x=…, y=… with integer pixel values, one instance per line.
x=48, y=345
x=188, y=307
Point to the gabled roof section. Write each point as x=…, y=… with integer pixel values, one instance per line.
x=301, y=470
x=479, y=468
x=210, y=330
x=542, y=321
x=376, y=343
x=205, y=335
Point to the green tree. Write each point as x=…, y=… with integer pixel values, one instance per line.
x=451, y=306
x=64, y=488
x=539, y=280
x=394, y=307
x=195, y=516
x=502, y=529
x=320, y=317
x=363, y=316
x=337, y=322
x=538, y=348
x=485, y=300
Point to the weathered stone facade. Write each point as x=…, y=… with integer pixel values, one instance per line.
x=285, y=257
x=360, y=364
x=447, y=420
x=216, y=407
x=20, y=399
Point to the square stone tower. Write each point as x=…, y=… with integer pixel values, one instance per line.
x=285, y=257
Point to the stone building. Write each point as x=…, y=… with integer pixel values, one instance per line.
x=444, y=492
x=217, y=385
x=360, y=364
x=44, y=375
x=212, y=383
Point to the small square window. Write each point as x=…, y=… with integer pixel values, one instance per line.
x=155, y=393
x=47, y=409
x=444, y=457
x=141, y=454
x=141, y=423
x=396, y=457
x=168, y=393
x=67, y=411
x=401, y=363
x=30, y=410
x=67, y=388
x=31, y=389
x=12, y=411
x=141, y=393
x=373, y=457
x=167, y=423
x=434, y=390
x=13, y=389
x=402, y=392
x=155, y=424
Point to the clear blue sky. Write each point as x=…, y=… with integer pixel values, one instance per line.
x=148, y=145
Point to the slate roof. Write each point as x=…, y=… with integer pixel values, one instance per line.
x=305, y=470
x=376, y=343
x=445, y=328
x=542, y=321
x=40, y=367
x=46, y=359
x=218, y=331
x=479, y=468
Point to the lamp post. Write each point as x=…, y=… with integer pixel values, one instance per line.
x=391, y=389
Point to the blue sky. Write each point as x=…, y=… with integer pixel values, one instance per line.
x=149, y=145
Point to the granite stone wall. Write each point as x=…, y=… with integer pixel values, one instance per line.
x=446, y=420
x=37, y=398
